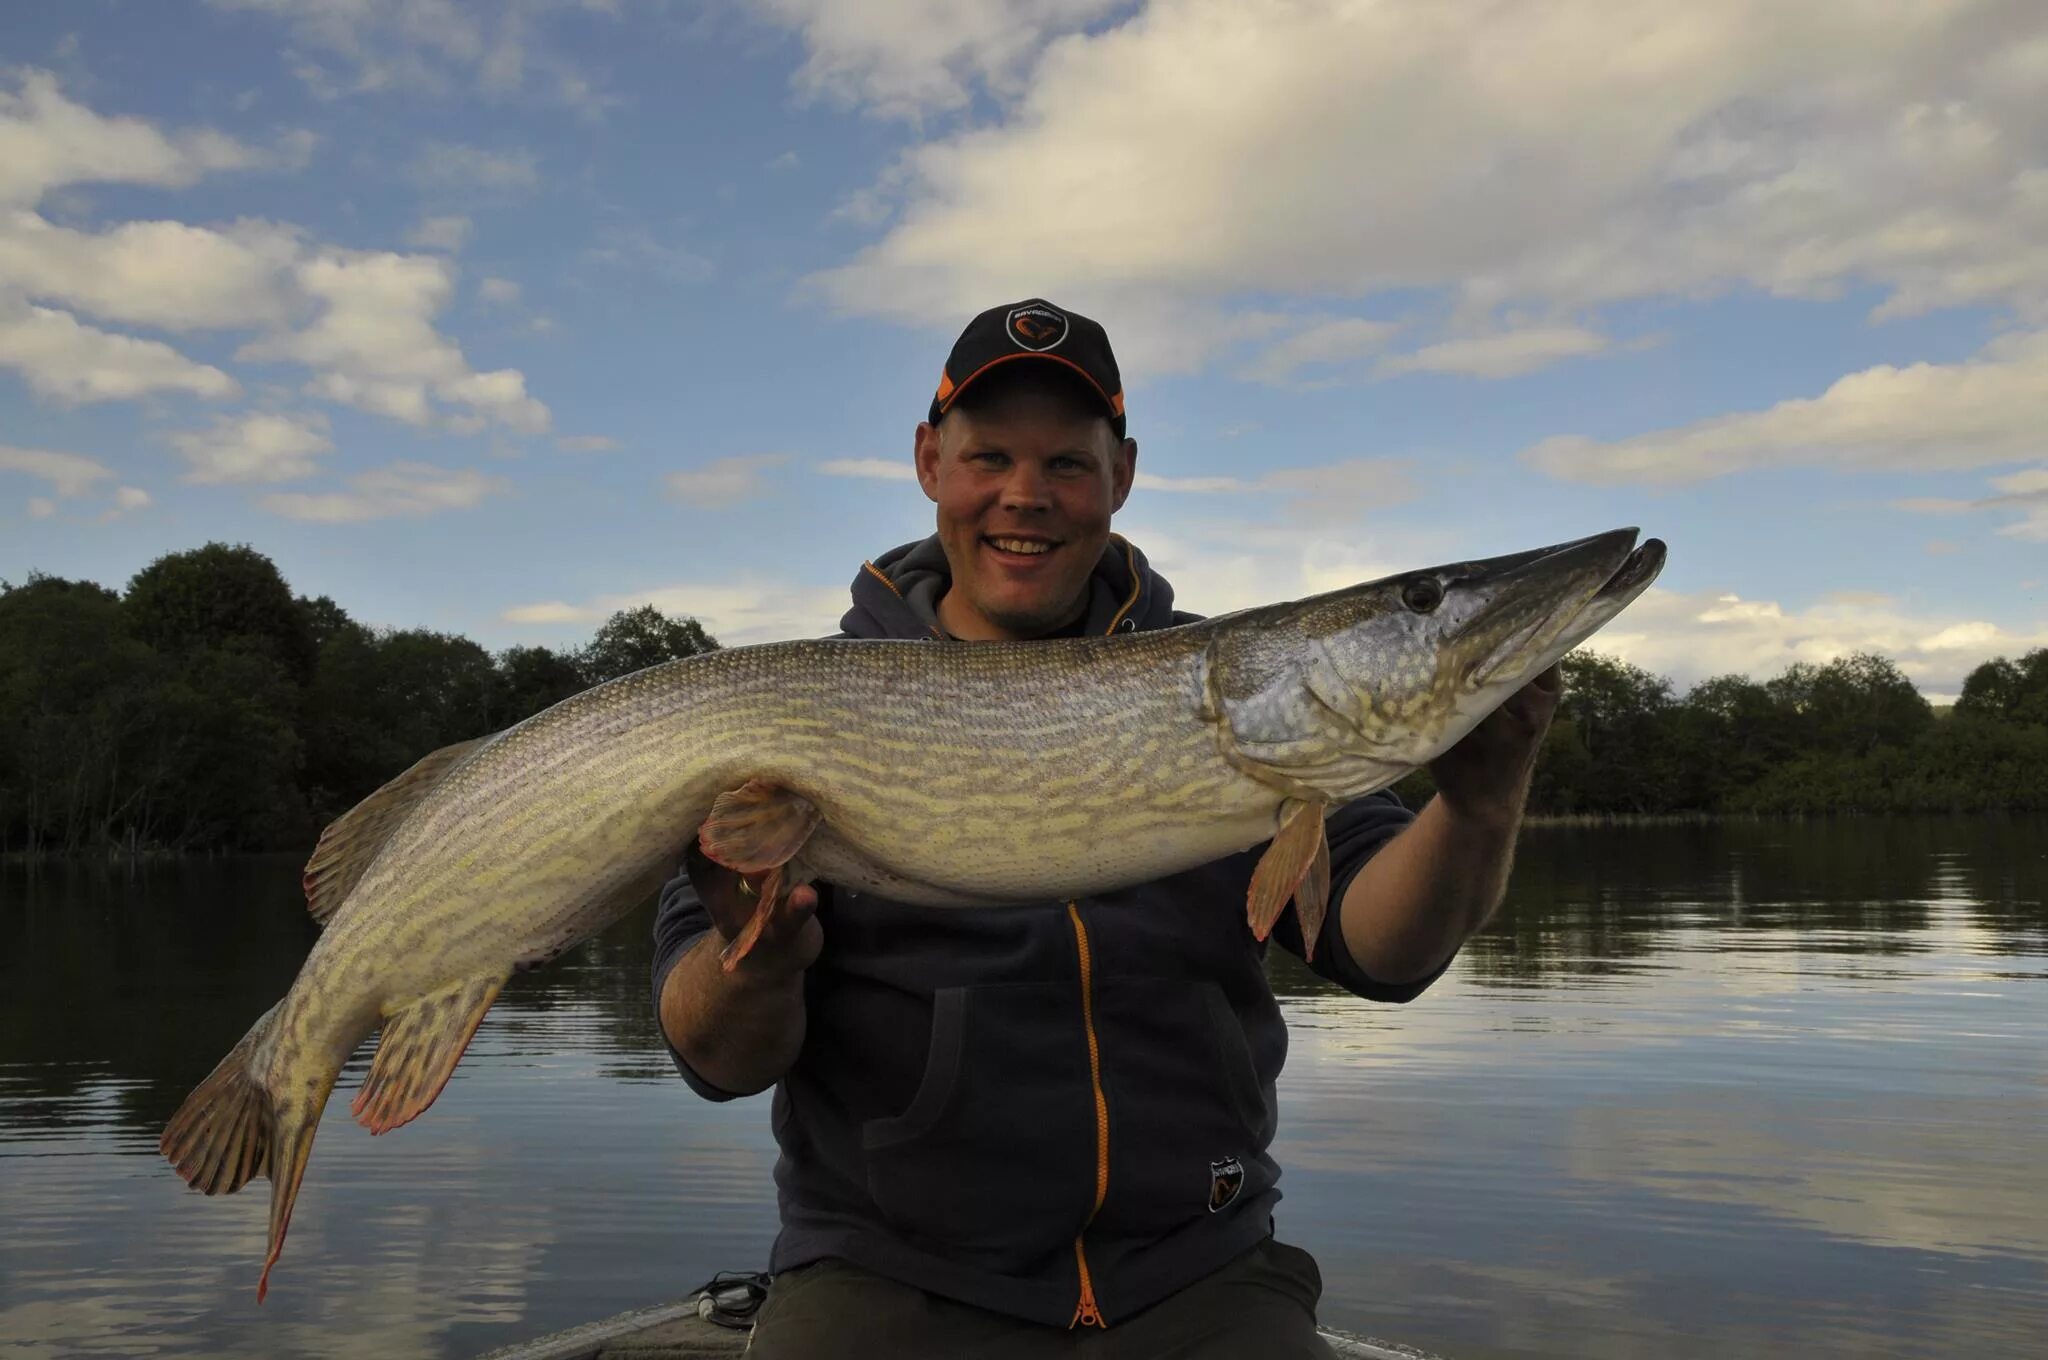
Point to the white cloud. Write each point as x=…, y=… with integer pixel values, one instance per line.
x=1345, y=490
x=881, y=469
x=70, y=362
x=736, y=612
x=1193, y=486
x=374, y=344
x=636, y=248
x=437, y=47
x=47, y=141
x=127, y=500
x=363, y=321
x=1693, y=636
x=449, y=232
x=400, y=489
x=163, y=274
x=1990, y=409
x=1553, y=157
x=1507, y=354
x=586, y=443
x=901, y=58
x=69, y=474
x=41, y=507
x=725, y=481
x=453, y=168
x=2025, y=491
x=788, y=160
x=258, y=446
x=1334, y=343
x=498, y=292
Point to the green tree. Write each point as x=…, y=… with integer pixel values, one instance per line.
x=2008, y=691
x=1610, y=747
x=634, y=639
x=74, y=689
x=210, y=595
x=1852, y=705
x=531, y=679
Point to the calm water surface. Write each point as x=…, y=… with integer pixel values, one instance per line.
x=1700, y=1092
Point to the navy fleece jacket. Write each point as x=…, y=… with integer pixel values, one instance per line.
x=941, y=1124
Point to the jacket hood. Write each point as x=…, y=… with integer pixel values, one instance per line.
x=897, y=594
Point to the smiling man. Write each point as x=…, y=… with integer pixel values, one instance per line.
x=1000, y=1126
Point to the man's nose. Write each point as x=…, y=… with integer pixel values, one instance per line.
x=1025, y=488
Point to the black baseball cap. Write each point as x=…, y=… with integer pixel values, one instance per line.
x=1032, y=329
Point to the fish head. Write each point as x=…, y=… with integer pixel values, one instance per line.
x=1349, y=690
x=1428, y=654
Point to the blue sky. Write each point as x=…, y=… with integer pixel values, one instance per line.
x=496, y=317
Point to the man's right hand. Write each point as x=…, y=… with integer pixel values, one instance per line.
x=789, y=941
x=741, y=1030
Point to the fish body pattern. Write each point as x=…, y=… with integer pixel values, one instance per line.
x=958, y=776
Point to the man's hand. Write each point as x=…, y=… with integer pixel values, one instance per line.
x=789, y=942
x=740, y=1030
x=1486, y=775
x=1417, y=900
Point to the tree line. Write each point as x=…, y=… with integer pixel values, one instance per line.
x=206, y=707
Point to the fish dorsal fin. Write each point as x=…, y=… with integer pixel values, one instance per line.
x=417, y=1054
x=353, y=839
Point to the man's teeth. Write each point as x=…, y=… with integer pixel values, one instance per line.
x=1021, y=545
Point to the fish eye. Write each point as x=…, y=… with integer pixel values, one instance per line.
x=1423, y=594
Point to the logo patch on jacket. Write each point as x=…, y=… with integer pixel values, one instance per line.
x=1226, y=1178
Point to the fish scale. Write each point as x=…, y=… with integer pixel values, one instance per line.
x=947, y=775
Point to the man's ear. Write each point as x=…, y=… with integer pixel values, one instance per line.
x=926, y=451
x=1124, y=472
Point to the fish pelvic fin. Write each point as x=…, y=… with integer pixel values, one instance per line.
x=417, y=1054
x=1296, y=865
x=757, y=830
x=351, y=841
x=757, y=826
x=233, y=1128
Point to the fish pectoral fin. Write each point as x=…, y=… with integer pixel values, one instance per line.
x=1296, y=865
x=352, y=840
x=759, y=825
x=418, y=1051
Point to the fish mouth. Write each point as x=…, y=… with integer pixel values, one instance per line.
x=1637, y=570
x=1582, y=584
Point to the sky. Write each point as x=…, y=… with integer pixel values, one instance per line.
x=493, y=318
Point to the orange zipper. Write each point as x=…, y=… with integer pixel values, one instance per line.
x=1086, y=1314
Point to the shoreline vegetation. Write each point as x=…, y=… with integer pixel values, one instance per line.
x=205, y=709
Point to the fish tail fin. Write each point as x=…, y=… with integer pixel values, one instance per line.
x=224, y=1134
x=232, y=1128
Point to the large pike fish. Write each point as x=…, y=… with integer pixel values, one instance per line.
x=945, y=775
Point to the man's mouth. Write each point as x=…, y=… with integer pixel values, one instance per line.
x=1015, y=546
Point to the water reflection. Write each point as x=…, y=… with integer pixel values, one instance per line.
x=1701, y=1089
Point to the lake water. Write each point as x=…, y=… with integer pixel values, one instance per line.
x=1700, y=1091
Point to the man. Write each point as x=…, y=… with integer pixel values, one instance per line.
x=999, y=1126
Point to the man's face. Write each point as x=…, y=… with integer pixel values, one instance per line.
x=1025, y=486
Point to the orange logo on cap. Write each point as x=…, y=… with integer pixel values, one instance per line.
x=1037, y=328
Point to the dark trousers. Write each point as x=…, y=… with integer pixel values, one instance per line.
x=1261, y=1306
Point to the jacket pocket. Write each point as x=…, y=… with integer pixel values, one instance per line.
x=1188, y=1122
x=993, y=1160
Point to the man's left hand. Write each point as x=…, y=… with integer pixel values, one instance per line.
x=1486, y=775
